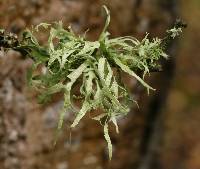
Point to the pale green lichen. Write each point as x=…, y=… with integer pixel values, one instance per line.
x=175, y=32
x=73, y=60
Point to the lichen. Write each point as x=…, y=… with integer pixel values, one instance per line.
x=92, y=66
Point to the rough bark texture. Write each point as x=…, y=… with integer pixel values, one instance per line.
x=157, y=136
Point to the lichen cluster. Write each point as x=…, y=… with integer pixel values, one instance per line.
x=69, y=61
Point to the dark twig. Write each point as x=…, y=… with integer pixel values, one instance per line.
x=168, y=38
x=11, y=41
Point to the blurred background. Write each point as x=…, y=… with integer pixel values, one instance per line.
x=164, y=133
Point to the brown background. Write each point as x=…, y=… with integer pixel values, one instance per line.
x=162, y=134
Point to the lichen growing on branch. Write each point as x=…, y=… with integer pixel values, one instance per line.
x=94, y=67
